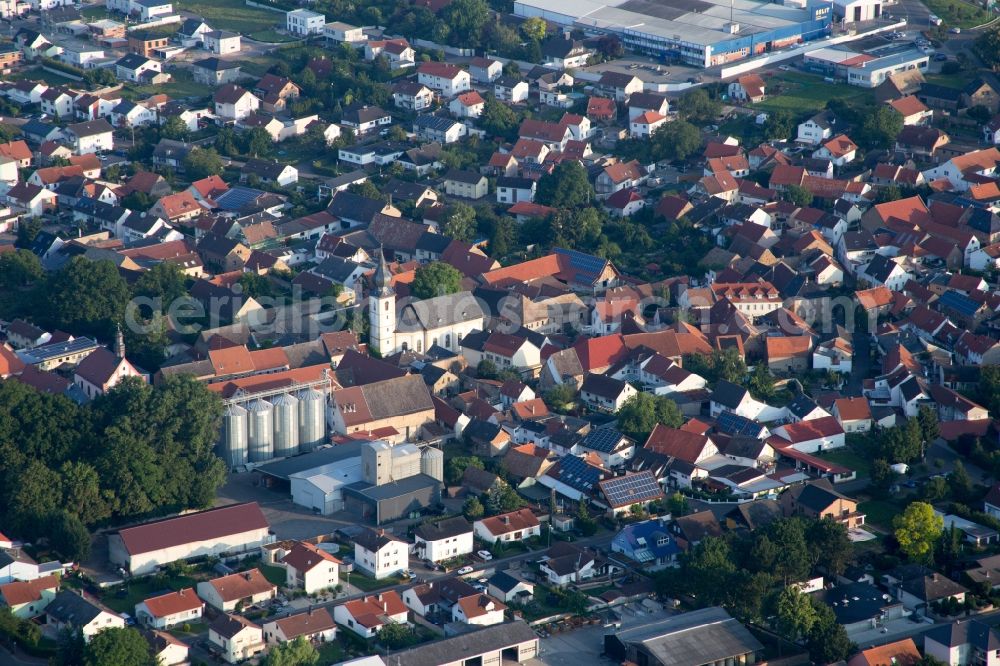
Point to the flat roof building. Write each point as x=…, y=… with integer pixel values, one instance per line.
x=700, y=32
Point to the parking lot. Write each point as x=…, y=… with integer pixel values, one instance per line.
x=583, y=646
x=650, y=70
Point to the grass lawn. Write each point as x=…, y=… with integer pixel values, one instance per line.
x=276, y=575
x=958, y=13
x=331, y=653
x=368, y=584
x=802, y=93
x=880, y=512
x=124, y=597
x=232, y=14
x=180, y=85
x=848, y=457
x=958, y=80
x=92, y=13
x=270, y=35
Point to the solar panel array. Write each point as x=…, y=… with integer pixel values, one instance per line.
x=632, y=488
x=604, y=440
x=237, y=197
x=734, y=424
x=575, y=473
x=585, y=264
x=959, y=302
x=57, y=349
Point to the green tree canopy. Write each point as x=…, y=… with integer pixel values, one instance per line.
x=298, y=652
x=460, y=223
x=118, y=647
x=202, y=163
x=917, y=530
x=566, y=187
x=698, y=106
x=798, y=195
x=795, y=613
x=498, y=118
x=641, y=412
x=436, y=279
x=881, y=127
x=87, y=297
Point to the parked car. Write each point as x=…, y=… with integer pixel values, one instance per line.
x=464, y=570
x=485, y=555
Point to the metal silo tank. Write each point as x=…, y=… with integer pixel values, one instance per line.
x=286, y=425
x=312, y=419
x=234, y=436
x=260, y=430
x=432, y=463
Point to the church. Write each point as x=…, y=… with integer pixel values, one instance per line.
x=419, y=325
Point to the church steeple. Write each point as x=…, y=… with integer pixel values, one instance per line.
x=120, y=343
x=383, y=278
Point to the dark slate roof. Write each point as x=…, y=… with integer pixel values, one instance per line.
x=443, y=529
x=728, y=394
x=72, y=609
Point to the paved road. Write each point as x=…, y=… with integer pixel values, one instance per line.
x=19, y=658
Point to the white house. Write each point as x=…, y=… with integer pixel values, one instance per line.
x=380, y=554
x=479, y=609
x=131, y=67
x=310, y=568
x=237, y=638
x=222, y=42
x=227, y=592
x=643, y=126
x=235, y=103
x=508, y=527
x=448, y=79
x=367, y=616
x=343, y=32
x=840, y=150
x=170, y=609
x=304, y=22
x=71, y=611
x=443, y=540
x=817, y=129
x=605, y=393
x=514, y=189
x=814, y=435
x=90, y=137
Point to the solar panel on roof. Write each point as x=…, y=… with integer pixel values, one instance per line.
x=959, y=302
x=734, y=424
x=631, y=489
x=574, y=472
x=603, y=440
x=237, y=197
x=57, y=349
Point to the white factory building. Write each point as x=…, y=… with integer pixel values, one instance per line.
x=701, y=32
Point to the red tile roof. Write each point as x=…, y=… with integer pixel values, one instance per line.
x=174, y=602
x=201, y=526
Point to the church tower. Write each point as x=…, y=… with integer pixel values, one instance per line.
x=382, y=310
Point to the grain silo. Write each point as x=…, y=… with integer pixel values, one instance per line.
x=312, y=419
x=234, y=436
x=432, y=463
x=260, y=430
x=286, y=425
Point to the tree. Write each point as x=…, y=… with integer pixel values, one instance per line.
x=888, y=194
x=792, y=560
x=678, y=504
x=980, y=114
x=677, y=140
x=641, y=412
x=82, y=491
x=831, y=547
x=202, y=163
x=707, y=571
x=779, y=125
x=795, y=613
x=298, y=652
x=987, y=47
x=566, y=187
x=254, y=285
x=456, y=468
x=560, y=397
x=503, y=237
x=116, y=646
x=174, y=128
x=473, y=508
x=534, y=28
x=27, y=230
x=697, y=106
x=960, y=483
x=917, y=529
x=498, y=118
x=928, y=421
x=936, y=489
x=882, y=474
x=487, y=369
x=436, y=279
x=164, y=281
x=827, y=640
x=257, y=142
x=87, y=297
x=465, y=18
x=501, y=498
x=761, y=382
x=20, y=268
x=881, y=127
x=584, y=522
x=460, y=223
x=799, y=195
x=69, y=537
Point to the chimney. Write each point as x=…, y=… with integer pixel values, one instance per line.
x=934, y=577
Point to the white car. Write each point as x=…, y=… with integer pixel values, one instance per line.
x=464, y=570
x=485, y=555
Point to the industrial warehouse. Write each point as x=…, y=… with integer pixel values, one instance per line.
x=699, y=32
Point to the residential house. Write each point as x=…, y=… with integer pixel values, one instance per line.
x=171, y=609
x=310, y=568
x=304, y=22
x=508, y=527
x=366, y=616
x=234, y=103
x=605, y=393
x=443, y=540
x=26, y=599
x=71, y=611
x=242, y=588
x=818, y=500
x=237, y=638
x=315, y=625
x=380, y=554
x=748, y=88
x=466, y=184
x=446, y=78
x=93, y=136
